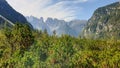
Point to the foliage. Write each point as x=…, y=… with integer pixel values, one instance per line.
x=17, y=50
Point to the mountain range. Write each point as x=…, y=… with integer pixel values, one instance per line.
x=11, y=16
x=104, y=23
x=73, y=28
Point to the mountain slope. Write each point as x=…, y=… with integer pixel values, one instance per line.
x=3, y=18
x=105, y=22
x=10, y=14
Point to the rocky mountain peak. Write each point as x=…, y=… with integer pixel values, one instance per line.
x=60, y=26
x=105, y=22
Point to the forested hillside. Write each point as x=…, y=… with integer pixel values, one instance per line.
x=20, y=47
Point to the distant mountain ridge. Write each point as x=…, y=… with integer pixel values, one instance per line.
x=72, y=28
x=105, y=22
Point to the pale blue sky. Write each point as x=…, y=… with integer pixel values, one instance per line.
x=61, y=9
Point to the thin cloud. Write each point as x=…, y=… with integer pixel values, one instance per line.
x=61, y=9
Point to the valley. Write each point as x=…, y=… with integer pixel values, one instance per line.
x=32, y=42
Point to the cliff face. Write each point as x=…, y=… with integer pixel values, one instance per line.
x=104, y=23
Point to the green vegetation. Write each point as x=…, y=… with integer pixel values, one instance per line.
x=20, y=47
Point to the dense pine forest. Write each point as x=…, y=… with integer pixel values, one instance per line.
x=21, y=47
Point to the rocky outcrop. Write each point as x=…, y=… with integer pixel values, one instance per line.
x=105, y=22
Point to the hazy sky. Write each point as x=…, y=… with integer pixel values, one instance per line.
x=61, y=9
